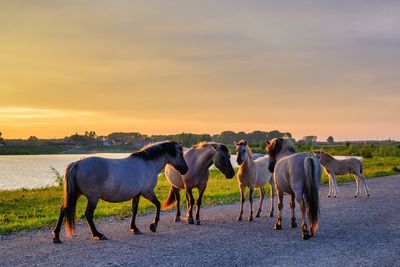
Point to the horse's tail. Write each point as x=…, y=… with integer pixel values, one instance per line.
x=311, y=192
x=169, y=202
x=71, y=194
x=361, y=167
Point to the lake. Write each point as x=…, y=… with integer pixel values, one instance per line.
x=33, y=171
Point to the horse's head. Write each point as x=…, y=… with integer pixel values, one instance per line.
x=275, y=148
x=222, y=160
x=241, y=151
x=177, y=160
x=317, y=154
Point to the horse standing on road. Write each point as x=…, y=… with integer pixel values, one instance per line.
x=334, y=167
x=116, y=180
x=299, y=175
x=199, y=159
x=253, y=173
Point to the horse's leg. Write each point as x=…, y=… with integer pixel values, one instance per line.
x=364, y=182
x=242, y=199
x=330, y=185
x=178, y=204
x=135, y=204
x=262, y=194
x=278, y=225
x=190, y=203
x=56, y=231
x=358, y=186
x=201, y=192
x=91, y=206
x=273, y=193
x=251, y=197
x=149, y=195
x=334, y=185
x=303, y=207
x=293, y=224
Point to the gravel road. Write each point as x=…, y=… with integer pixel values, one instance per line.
x=353, y=232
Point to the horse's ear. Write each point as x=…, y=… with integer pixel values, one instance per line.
x=268, y=142
x=245, y=142
x=236, y=145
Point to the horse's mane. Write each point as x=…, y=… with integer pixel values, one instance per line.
x=156, y=150
x=215, y=145
x=326, y=154
x=278, y=144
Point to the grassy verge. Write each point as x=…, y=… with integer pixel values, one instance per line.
x=30, y=209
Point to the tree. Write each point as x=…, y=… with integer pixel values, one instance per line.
x=330, y=140
x=309, y=140
x=33, y=140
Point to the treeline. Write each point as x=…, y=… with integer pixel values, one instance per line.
x=135, y=138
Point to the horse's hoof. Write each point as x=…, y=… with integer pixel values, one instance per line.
x=56, y=240
x=334, y=196
x=177, y=219
x=258, y=215
x=239, y=219
x=100, y=237
x=271, y=214
x=355, y=196
x=293, y=225
x=329, y=195
x=305, y=235
x=190, y=221
x=198, y=222
x=136, y=232
x=278, y=227
x=153, y=227
x=251, y=219
x=367, y=195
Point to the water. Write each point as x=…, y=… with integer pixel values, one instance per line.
x=33, y=171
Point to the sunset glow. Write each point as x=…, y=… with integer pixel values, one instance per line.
x=158, y=67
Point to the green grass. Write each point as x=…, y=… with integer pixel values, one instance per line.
x=37, y=208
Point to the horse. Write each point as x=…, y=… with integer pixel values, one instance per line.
x=253, y=173
x=199, y=159
x=334, y=167
x=116, y=180
x=299, y=175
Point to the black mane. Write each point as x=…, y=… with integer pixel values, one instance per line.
x=156, y=150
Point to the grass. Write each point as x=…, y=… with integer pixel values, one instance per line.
x=37, y=208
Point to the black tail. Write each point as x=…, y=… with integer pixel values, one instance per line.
x=169, y=202
x=71, y=194
x=361, y=168
x=311, y=192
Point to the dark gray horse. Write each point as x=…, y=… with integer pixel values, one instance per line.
x=117, y=180
x=299, y=175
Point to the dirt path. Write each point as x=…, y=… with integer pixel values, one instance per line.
x=353, y=232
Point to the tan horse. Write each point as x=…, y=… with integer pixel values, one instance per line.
x=199, y=159
x=253, y=173
x=334, y=167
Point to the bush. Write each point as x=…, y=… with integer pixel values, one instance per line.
x=57, y=176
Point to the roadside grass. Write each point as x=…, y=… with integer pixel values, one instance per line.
x=31, y=209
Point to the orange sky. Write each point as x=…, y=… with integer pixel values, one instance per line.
x=168, y=67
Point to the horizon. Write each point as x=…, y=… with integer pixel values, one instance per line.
x=308, y=68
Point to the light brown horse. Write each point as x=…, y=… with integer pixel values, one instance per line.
x=299, y=175
x=253, y=173
x=199, y=159
x=334, y=167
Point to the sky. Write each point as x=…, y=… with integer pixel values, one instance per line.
x=161, y=67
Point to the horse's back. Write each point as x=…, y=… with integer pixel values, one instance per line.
x=263, y=174
x=289, y=172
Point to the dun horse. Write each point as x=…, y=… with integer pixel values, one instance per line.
x=299, y=175
x=116, y=180
x=334, y=167
x=253, y=173
x=199, y=159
